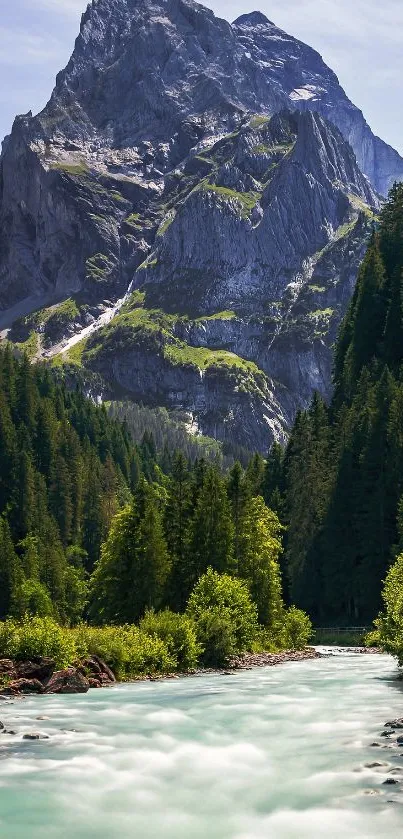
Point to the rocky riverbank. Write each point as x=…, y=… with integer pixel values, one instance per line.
x=19, y=678
x=250, y=660
x=40, y=675
x=247, y=661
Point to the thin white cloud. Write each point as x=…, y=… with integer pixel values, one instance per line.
x=18, y=47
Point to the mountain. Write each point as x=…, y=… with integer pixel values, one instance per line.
x=342, y=472
x=213, y=173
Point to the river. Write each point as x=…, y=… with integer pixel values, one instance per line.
x=276, y=752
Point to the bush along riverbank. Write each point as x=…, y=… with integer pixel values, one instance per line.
x=219, y=630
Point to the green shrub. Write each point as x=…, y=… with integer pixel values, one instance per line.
x=128, y=651
x=34, y=637
x=225, y=616
x=215, y=632
x=31, y=598
x=373, y=639
x=297, y=628
x=178, y=633
x=267, y=642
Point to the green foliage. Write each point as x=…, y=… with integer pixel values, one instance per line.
x=166, y=223
x=178, y=633
x=390, y=622
x=94, y=526
x=225, y=616
x=373, y=638
x=132, y=572
x=215, y=631
x=79, y=168
x=98, y=267
x=74, y=355
x=37, y=636
x=126, y=649
x=227, y=314
x=212, y=531
x=31, y=598
x=258, y=121
x=75, y=594
x=335, y=638
x=169, y=431
x=297, y=629
x=65, y=468
x=246, y=201
x=259, y=552
x=203, y=358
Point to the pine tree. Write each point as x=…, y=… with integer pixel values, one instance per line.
x=211, y=543
x=132, y=572
x=113, y=579
x=178, y=516
x=366, y=323
x=273, y=486
x=238, y=489
x=153, y=563
x=255, y=474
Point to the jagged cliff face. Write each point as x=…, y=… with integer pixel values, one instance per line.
x=256, y=257
x=206, y=170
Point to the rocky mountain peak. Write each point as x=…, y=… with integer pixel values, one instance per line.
x=253, y=19
x=171, y=72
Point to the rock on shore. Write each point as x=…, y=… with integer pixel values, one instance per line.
x=39, y=675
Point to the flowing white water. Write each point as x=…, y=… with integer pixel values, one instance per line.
x=278, y=753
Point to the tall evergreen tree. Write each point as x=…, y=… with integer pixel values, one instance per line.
x=239, y=491
x=211, y=543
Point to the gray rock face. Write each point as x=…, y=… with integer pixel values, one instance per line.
x=147, y=82
x=224, y=402
x=215, y=167
x=164, y=74
x=247, y=246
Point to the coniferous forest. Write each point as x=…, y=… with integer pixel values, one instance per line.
x=340, y=480
x=99, y=529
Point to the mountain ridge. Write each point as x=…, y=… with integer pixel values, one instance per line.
x=168, y=121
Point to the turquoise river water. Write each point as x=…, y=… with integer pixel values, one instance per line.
x=276, y=752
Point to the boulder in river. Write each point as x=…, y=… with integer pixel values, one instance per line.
x=35, y=735
x=99, y=670
x=23, y=686
x=69, y=680
x=37, y=668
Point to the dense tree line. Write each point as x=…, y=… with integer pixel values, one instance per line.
x=65, y=469
x=93, y=525
x=170, y=434
x=172, y=531
x=338, y=486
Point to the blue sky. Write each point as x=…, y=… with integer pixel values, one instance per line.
x=360, y=39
